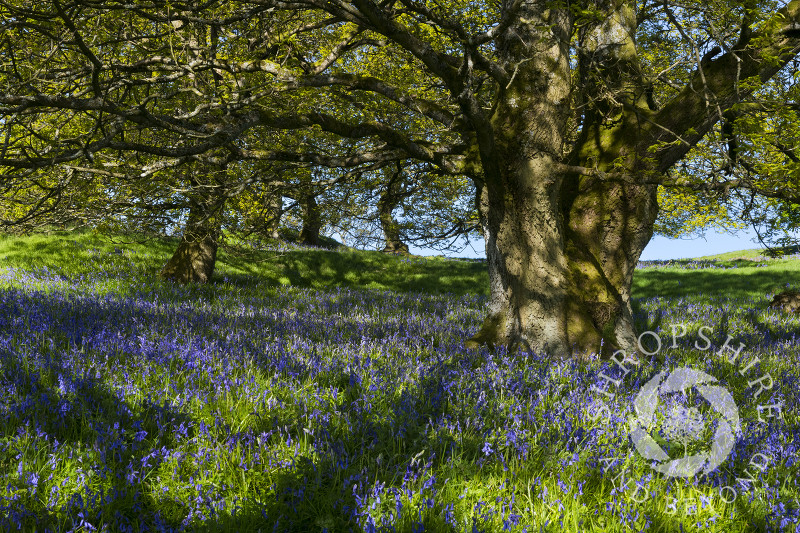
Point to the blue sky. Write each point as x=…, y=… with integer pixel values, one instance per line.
x=659, y=247
x=713, y=243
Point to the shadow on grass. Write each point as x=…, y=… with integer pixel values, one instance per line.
x=66, y=410
x=319, y=492
x=324, y=269
x=59, y=393
x=305, y=268
x=734, y=283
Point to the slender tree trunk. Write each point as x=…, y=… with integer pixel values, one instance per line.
x=390, y=198
x=312, y=221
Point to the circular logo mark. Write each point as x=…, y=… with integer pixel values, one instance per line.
x=682, y=424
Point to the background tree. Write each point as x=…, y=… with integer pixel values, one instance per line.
x=395, y=189
x=195, y=258
x=406, y=203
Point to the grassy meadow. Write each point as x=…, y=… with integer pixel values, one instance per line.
x=313, y=390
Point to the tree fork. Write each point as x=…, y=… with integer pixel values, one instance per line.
x=195, y=258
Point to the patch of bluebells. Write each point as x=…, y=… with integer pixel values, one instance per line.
x=704, y=264
x=250, y=407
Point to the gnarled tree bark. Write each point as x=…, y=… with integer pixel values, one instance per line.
x=608, y=224
x=195, y=258
x=562, y=247
x=390, y=198
x=520, y=198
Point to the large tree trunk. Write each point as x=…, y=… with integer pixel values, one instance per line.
x=609, y=223
x=561, y=279
x=196, y=255
x=391, y=196
x=527, y=264
x=561, y=247
x=519, y=200
x=608, y=227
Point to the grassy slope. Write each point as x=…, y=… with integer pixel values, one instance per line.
x=470, y=475
x=312, y=268
x=725, y=278
x=752, y=253
x=726, y=275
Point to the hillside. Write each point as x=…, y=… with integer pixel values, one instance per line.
x=278, y=264
x=735, y=274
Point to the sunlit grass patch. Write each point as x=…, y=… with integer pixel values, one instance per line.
x=131, y=404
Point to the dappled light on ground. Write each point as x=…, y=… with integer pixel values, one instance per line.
x=246, y=406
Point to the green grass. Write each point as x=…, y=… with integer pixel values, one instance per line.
x=297, y=267
x=732, y=279
x=269, y=318
x=729, y=274
x=753, y=254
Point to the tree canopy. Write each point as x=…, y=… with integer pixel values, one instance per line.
x=567, y=117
